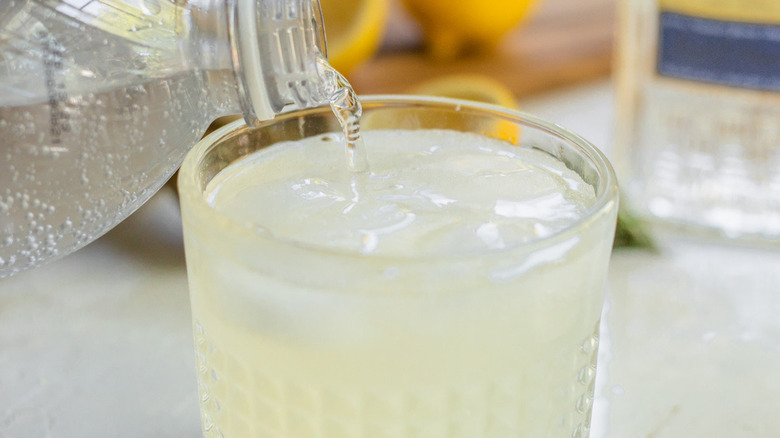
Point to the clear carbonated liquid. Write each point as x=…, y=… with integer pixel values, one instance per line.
x=94, y=116
x=64, y=184
x=346, y=107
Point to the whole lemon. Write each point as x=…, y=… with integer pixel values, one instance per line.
x=454, y=26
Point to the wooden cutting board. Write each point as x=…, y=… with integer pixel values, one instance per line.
x=563, y=43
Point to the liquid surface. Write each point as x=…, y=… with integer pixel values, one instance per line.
x=436, y=191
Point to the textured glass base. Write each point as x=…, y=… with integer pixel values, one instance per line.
x=239, y=400
x=707, y=160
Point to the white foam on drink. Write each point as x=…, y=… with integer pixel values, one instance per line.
x=437, y=191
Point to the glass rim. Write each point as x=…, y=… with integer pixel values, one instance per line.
x=192, y=197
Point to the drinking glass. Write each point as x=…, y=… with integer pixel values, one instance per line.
x=298, y=340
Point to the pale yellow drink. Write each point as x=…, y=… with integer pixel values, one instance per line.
x=454, y=290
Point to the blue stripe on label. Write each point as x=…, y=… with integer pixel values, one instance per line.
x=745, y=55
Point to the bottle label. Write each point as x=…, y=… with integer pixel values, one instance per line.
x=721, y=42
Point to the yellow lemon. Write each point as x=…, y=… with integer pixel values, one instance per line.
x=477, y=88
x=452, y=26
x=470, y=87
x=354, y=30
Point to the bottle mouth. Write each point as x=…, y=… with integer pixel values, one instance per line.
x=277, y=46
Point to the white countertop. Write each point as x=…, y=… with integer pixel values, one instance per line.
x=99, y=344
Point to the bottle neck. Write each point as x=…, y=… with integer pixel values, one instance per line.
x=273, y=48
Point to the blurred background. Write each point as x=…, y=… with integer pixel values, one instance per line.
x=99, y=343
x=529, y=46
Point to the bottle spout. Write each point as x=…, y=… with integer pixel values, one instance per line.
x=276, y=47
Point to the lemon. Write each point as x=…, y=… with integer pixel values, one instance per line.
x=453, y=26
x=467, y=87
x=477, y=88
x=354, y=30
x=470, y=87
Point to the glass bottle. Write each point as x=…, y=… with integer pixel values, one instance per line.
x=698, y=141
x=101, y=99
x=691, y=338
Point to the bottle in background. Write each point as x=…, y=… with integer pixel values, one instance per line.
x=691, y=337
x=698, y=139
